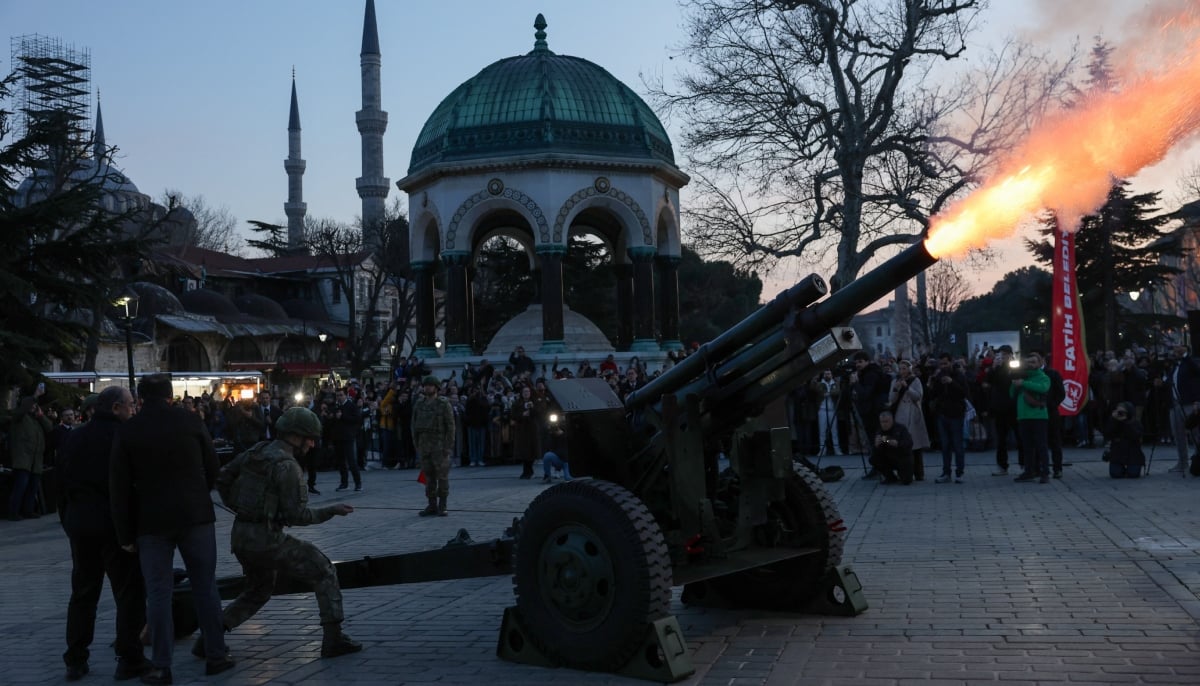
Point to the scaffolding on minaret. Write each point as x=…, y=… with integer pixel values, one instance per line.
x=54, y=79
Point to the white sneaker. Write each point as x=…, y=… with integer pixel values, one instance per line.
x=1175, y=470
x=1002, y=471
x=958, y=479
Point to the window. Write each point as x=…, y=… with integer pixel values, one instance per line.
x=879, y=331
x=337, y=291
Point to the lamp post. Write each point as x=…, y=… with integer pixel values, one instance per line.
x=127, y=305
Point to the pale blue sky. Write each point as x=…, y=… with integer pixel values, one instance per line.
x=195, y=94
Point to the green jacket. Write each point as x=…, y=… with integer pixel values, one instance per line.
x=266, y=487
x=28, y=441
x=1036, y=384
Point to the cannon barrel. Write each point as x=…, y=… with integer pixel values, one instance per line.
x=760, y=322
x=866, y=289
x=727, y=358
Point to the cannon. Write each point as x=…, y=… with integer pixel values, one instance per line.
x=690, y=482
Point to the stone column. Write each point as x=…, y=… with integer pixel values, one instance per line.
x=624, y=305
x=551, y=257
x=423, y=286
x=668, y=280
x=471, y=309
x=457, y=335
x=643, y=298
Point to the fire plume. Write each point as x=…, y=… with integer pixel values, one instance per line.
x=1068, y=162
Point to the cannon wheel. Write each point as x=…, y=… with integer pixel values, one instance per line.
x=591, y=573
x=809, y=511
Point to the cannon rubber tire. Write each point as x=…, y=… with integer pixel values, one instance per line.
x=793, y=583
x=599, y=532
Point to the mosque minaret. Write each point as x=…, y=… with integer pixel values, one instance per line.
x=295, y=208
x=372, y=186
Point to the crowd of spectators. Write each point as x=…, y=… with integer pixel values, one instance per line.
x=502, y=412
x=841, y=410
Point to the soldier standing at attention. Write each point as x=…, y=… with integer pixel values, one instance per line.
x=433, y=431
x=265, y=486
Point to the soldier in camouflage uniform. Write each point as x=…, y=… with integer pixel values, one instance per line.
x=433, y=432
x=265, y=486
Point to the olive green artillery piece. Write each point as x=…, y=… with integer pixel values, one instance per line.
x=690, y=482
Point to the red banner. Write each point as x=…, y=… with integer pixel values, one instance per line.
x=1067, y=351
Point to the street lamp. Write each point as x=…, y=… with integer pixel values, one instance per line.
x=127, y=307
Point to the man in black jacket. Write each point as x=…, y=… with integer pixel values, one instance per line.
x=891, y=451
x=347, y=420
x=1003, y=408
x=86, y=516
x=1183, y=381
x=1054, y=427
x=948, y=396
x=265, y=413
x=163, y=468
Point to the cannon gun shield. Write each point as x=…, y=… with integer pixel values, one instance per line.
x=806, y=518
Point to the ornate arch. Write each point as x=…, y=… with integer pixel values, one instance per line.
x=497, y=192
x=602, y=188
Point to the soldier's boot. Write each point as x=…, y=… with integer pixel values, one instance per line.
x=431, y=510
x=441, y=506
x=336, y=643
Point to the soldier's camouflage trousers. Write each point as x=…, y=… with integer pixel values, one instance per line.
x=436, y=466
x=297, y=559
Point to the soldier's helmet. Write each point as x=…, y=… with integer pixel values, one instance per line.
x=300, y=421
x=431, y=379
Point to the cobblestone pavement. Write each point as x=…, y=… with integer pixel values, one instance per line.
x=1084, y=580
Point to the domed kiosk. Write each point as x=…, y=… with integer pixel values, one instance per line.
x=538, y=148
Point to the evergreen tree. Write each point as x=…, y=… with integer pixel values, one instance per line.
x=1008, y=305
x=713, y=296
x=1119, y=249
x=61, y=251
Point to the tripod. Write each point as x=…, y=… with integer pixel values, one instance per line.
x=856, y=428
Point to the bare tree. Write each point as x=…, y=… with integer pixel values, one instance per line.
x=946, y=290
x=817, y=126
x=216, y=227
x=375, y=283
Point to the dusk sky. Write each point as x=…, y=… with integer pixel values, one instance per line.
x=195, y=94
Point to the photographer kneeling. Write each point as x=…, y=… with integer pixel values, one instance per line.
x=891, y=454
x=1124, y=434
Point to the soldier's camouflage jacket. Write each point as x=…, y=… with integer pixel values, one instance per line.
x=433, y=425
x=266, y=487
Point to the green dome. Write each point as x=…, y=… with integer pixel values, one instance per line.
x=540, y=103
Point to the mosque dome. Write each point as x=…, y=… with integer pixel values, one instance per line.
x=154, y=300
x=208, y=302
x=579, y=333
x=116, y=192
x=541, y=103
x=260, y=306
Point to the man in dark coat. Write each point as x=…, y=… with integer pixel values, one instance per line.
x=891, y=451
x=1054, y=430
x=163, y=469
x=1001, y=407
x=1183, y=381
x=266, y=414
x=347, y=419
x=948, y=397
x=86, y=516
x=870, y=387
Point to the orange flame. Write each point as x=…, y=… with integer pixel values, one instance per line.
x=1068, y=162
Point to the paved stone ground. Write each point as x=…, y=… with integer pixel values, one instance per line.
x=1083, y=581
